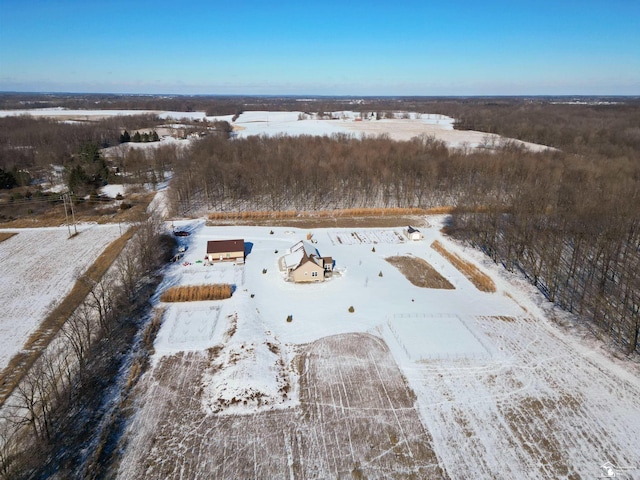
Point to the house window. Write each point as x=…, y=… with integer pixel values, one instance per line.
x=314, y=274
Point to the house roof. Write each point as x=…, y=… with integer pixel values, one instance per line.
x=301, y=252
x=293, y=260
x=223, y=246
x=304, y=246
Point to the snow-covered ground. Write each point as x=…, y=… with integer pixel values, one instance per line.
x=502, y=392
x=299, y=123
x=39, y=267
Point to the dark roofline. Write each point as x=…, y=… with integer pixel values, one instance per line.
x=222, y=246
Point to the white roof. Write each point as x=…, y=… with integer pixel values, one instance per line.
x=297, y=252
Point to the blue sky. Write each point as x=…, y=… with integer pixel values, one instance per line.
x=348, y=47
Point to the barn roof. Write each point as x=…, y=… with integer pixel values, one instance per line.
x=222, y=246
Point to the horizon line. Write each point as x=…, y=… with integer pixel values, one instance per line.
x=313, y=95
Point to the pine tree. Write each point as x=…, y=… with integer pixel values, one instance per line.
x=125, y=137
x=7, y=179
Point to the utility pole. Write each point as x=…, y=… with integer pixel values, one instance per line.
x=66, y=215
x=75, y=229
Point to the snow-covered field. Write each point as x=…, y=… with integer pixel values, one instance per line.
x=298, y=123
x=414, y=383
x=39, y=267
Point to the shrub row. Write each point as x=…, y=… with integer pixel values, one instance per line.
x=347, y=212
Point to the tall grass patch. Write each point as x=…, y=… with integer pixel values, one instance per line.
x=481, y=281
x=343, y=212
x=196, y=293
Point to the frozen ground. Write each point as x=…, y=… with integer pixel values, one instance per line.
x=415, y=383
x=39, y=267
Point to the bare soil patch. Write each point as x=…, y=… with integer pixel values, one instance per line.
x=356, y=419
x=481, y=281
x=420, y=272
x=6, y=235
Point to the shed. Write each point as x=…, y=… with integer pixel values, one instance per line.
x=413, y=233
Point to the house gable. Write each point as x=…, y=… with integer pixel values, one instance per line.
x=303, y=263
x=308, y=271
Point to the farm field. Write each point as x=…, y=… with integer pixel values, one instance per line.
x=291, y=123
x=283, y=381
x=39, y=267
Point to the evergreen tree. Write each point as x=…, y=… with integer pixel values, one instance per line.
x=7, y=179
x=125, y=137
x=155, y=137
x=77, y=180
x=136, y=137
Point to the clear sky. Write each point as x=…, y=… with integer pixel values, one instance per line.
x=346, y=47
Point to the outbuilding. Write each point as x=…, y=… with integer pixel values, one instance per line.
x=225, y=250
x=413, y=233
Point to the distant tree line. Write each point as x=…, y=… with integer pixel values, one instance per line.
x=470, y=110
x=31, y=143
x=604, y=130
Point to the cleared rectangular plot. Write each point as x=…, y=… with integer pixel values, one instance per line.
x=366, y=237
x=189, y=326
x=432, y=337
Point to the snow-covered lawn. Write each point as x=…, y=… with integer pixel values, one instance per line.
x=39, y=267
x=500, y=391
